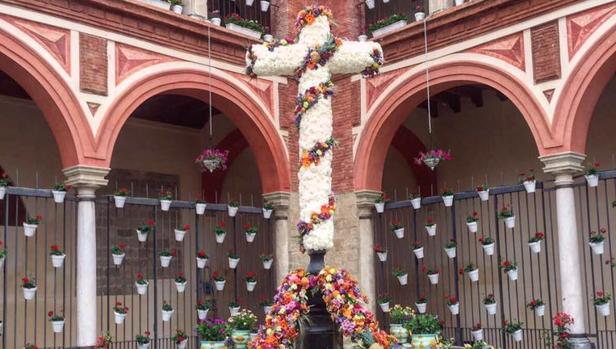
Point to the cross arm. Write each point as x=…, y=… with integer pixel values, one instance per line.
x=267, y=60
x=353, y=57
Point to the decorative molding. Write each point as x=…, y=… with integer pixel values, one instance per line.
x=549, y=94
x=365, y=202
x=580, y=26
x=563, y=166
x=280, y=200
x=132, y=59
x=93, y=107
x=86, y=176
x=509, y=49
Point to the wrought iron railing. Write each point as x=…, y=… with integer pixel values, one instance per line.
x=383, y=10
x=254, y=11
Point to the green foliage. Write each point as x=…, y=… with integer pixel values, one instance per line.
x=387, y=21
x=424, y=324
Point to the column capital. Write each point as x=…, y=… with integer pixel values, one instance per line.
x=280, y=200
x=563, y=166
x=86, y=178
x=365, y=202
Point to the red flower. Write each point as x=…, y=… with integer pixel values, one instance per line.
x=139, y=276
x=597, y=165
x=215, y=275
x=251, y=275
x=151, y=222
x=539, y=235
x=461, y=271
x=118, y=304
x=55, y=248
x=600, y=294
x=26, y=280
x=429, y=220
x=147, y=333
x=201, y=254
x=39, y=217
x=173, y=252
x=247, y=226
x=221, y=224
x=122, y=245
x=180, y=274
x=50, y=313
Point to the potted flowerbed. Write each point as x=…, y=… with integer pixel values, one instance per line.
x=483, y=191
x=251, y=281
x=472, y=271
x=166, y=311
x=384, y=301
x=28, y=285
x=415, y=201
x=57, y=321
x=381, y=252
x=447, y=197
x=529, y=181
x=511, y=268
x=141, y=284
x=402, y=276
x=144, y=229
x=247, y=27
x=454, y=305
x=166, y=197
x=165, y=257
x=232, y=208
x=118, y=253
x=420, y=15
x=119, y=197
x=203, y=307
x=219, y=281
x=180, y=282
x=387, y=25
x=450, y=248
x=202, y=259
x=471, y=222
x=181, y=232
x=592, y=175
x=143, y=340
x=432, y=274
x=514, y=329
x=220, y=232
x=59, y=193
x=421, y=304
x=489, y=303
x=397, y=229
x=250, y=230
x=4, y=182
x=266, y=304
x=537, y=306
x=31, y=224
x=120, y=311
x=477, y=332
x=234, y=308
x=506, y=214
x=176, y=6
x=379, y=203
x=535, y=242
x=180, y=339
x=487, y=243
x=418, y=249
x=234, y=259
x=430, y=226
x=213, y=334
x=200, y=206
x=425, y=329
x=57, y=256
x=267, y=210
x=241, y=324
x=2, y=254
x=597, y=241
x=267, y=260
x=398, y=318
x=601, y=300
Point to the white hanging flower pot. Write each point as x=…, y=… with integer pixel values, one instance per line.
x=403, y=279
x=2, y=261
x=489, y=249
x=448, y=200
x=384, y=307
x=530, y=186
x=380, y=207
x=513, y=274
x=30, y=229
x=420, y=16
x=267, y=264
x=267, y=213
x=267, y=309
x=118, y=258
x=141, y=288
x=477, y=335
x=234, y=310
x=597, y=247
x=517, y=335
x=268, y=37
x=419, y=252
x=416, y=202
x=490, y=308
x=119, y=318
x=179, y=235
x=233, y=262
x=451, y=252
x=165, y=205
x=592, y=180
x=232, y=210
x=250, y=285
x=165, y=261
x=200, y=208
x=603, y=309
x=220, y=285
x=177, y=9
x=510, y=222
x=202, y=314
x=264, y=5
x=421, y=307
x=2, y=192
x=119, y=201
x=29, y=293
x=57, y=261
x=250, y=237
x=540, y=311
x=182, y=344
x=362, y=38
x=484, y=195
x=382, y=256
x=433, y=278
x=454, y=308
x=535, y=247
x=473, y=275
x=143, y=346
x=142, y=236
x=220, y=238
x=431, y=229
x=201, y=263
x=216, y=21
x=370, y=4
x=57, y=326
x=472, y=227
x=166, y=315
x=399, y=233
x=180, y=286
x=458, y=3
x=58, y=196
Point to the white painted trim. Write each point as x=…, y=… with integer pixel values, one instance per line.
x=94, y=98
x=563, y=43
x=74, y=39
x=111, y=67
x=363, y=101
x=528, y=54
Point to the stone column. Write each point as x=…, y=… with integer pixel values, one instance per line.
x=365, y=207
x=280, y=201
x=563, y=166
x=86, y=179
x=196, y=8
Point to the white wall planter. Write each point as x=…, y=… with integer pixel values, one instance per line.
x=448, y=200
x=597, y=247
x=416, y=202
x=200, y=208
x=220, y=238
x=119, y=201
x=142, y=236
x=540, y=311
x=2, y=261
x=166, y=314
x=233, y=262
x=250, y=237
x=421, y=307
x=399, y=233
x=250, y=285
x=484, y=195
x=433, y=278
x=58, y=196
x=216, y=21
x=419, y=252
x=30, y=229
x=201, y=263
x=141, y=288
x=234, y=310
x=513, y=274
x=118, y=258
x=384, y=307
x=420, y=16
x=57, y=326
x=459, y=2
x=267, y=213
x=267, y=309
x=179, y=235
x=165, y=205
x=160, y=4
x=370, y=4
x=517, y=336
x=119, y=318
x=220, y=285
x=388, y=29
x=431, y=229
x=510, y=222
x=454, y=308
x=232, y=210
x=267, y=265
x=380, y=207
x=592, y=180
x=182, y=344
x=490, y=308
x=473, y=275
x=180, y=286
x=2, y=192
x=451, y=252
x=530, y=186
x=29, y=293
x=477, y=335
x=248, y=32
x=603, y=309
x=264, y=5
x=489, y=249
x=202, y=314
x=403, y=279
x=382, y=256
x=57, y=261
x=472, y=227
x=535, y=247
x=165, y=261
x=362, y=38
x=177, y=9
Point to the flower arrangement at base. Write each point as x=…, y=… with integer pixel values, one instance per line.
x=511, y=268
x=180, y=282
x=487, y=243
x=433, y=157
x=212, y=331
x=141, y=284
x=601, y=300
x=478, y=345
x=120, y=311
x=383, y=300
x=597, y=241
x=180, y=339
x=562, y=332
x=398, y=318
x=537, y=306
x=250, y=230
x=29, y=287
x=425, y=329
x=57, y=256
x=220, y=232
x=212, y=159
x=103, y=342
x=31, y=224
x=471, y=222
x=535, y=242
x=57, y=321
x=489, y=302
x=241, y=324
x=119, y=197
x=343, y=301
x=144, y=229
x=143, y=340
x=514, y=329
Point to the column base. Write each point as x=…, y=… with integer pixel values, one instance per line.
x=581, y=342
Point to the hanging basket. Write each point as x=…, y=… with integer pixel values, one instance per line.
x=213, y=159
x=431, y=162
x=432, y=157
x=210, y=164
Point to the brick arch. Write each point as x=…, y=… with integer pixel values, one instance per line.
x=229, y=96
x=58, y=104
x=581, y=92
x=407, y=92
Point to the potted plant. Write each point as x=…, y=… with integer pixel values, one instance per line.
x=489, y=302
x=459, y=2
x=421, y=304
x=181, y=232
x=57, y=321
x=234, y=259
x=477, y=332
x=472, y=271
x=143, y=340
x=402, y=276
x=453, y=304
x=592, y=175
x=387, y=25
x=471, y=222
x=250, y=230
x=511, y=268
x=447, y=197
x=232, y=208
x=29, y=287
x=432, y=274
x=30, y=346
x=234, y=308
x=247, y=27
x=202, y=259
x=219, y=281
x=398, y=317
x=430, y=226
x=2, y=254
x=384, y=301
x=597, y=241
x=102, y=342
x=415, y=201
x=267, y=210
x=514, y=329
x=535, y=242
x=211, y=158
x=31, y=224
x=203, y=307
x=379, y=203
x=529, y=181
x=144, y=229
x=118, y=253
x=425, y=329
x=176, y=6
x=487, y=243
x=220, y=232
x=166, y=311
x=506, y=214
x=141, y=284
x=200, y=206
x=380, y=252
x=213, y=334
x=216, y=20
x=57, y=256
x=397, y=229
x=267, y=260
x=120, y=311
x=59, y=193
x=601, y=300
x=537, y=306
x=241, y=324
x=265, y=5
x=4, y=182
x=370, y=4
x=483, y=191
x=450, y=248
x=180, y=339
x=119, y=197
x=420, y=15
x=166, y=197
x=180, y=282
x=251, y=281
x=165, y=257
x=418, y=249
x=266, y=304
x=562, y=321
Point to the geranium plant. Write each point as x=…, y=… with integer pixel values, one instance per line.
x=121, y=192
x=539, y=236
x=27, y=282
x=148, y=227
x=118, y=249
x=180, y=278
x=120, y=308
x=215, y=330
x=395, y=225
x=505, y=212
x=140, y=279
x=486, y=240
x=527, y=177
x=593, y=169
x=53, y=316
x=471, y=218
x=179, y=337
x=34, y=220
x=55, y=250
x=562, y=332
x=535, y=303
x=507, y=266
x=218, y=276
x=512, y=327
x=143, y=338
x=597, y=237
x=489, y=299
x=383, y=298
x=601, y=297
x=451, y=244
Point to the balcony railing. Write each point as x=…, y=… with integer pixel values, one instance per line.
x=254, y=11
x=384, y=9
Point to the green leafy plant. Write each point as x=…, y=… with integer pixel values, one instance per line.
x=601, y=297
x=148, y=227
x=140, y=279
x=593, y=169
x=535, y=303
x=118, y=249
x=234, y=18
x=511, y=327
x=179, y=337
x=505, y=212
x=234, y=203
x=167, y=253
x=267, y=205
x=386, y=21
x=167, y=306
x=595, y=237
x=489, y=299
x=508, y=266
x=447, y=192
x=55, y=250
x=451, y=244
x=121, y=192
x=395, y=225
x=266, y=257
x=424, y=324
x=34, y=220
x=383, y=198
x=2, y=250
x=55, y=316
x=215, y=330
x=383, y=298
x=143, y=338
x=486, y=240
x=470, y=267
x=220, y=228
x=204, y=305
x=399, y=272
x=166, y=195
x=537, y=237
x=474, y=217
x=59, y=187
x=4, y=180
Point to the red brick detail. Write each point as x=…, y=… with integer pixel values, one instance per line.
x=376, y=85
x=92, y=64
x=546, y=52
x=509, y=49
x=131, y=59
x=549, y=94
x=344, y=110
x=356, y=112
x=93, y=107
x=55, y=40
x=263, y=88
x=580, y=26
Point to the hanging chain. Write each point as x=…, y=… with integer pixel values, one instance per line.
x=426, y=62
x=209, y=80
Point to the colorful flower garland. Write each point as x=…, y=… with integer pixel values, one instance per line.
x=308, y=99
x=308, y=15
x=343, y=300
x=313, y=156
x=318, y=56
x=316, y=218
x=373, y=69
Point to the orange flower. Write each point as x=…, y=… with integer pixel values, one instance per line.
x=309, y=18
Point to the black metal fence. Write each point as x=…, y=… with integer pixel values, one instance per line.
x=254, y=11
x=384, y=10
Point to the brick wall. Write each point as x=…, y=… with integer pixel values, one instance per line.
x=92, y=64
x=546, y=52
